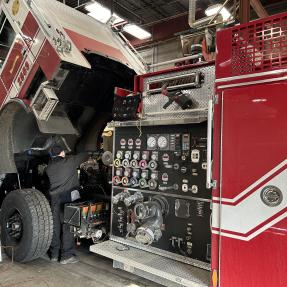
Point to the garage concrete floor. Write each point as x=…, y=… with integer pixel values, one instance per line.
x=91, y=271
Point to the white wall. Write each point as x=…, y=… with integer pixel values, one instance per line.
x=163, y=52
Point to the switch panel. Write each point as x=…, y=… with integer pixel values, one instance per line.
x=170, y=155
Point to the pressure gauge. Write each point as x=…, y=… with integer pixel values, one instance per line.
x=162, y=142
x=151, y=142
x=123, y=142
x=130, y=142
x=119, y=154
x=136, y=155
x=138, y=142
x=128, y=155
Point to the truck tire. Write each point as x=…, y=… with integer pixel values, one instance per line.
x=26, y=224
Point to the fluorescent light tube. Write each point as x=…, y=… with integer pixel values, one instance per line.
x=213, y=10
x=99, y=12
x=137, y=31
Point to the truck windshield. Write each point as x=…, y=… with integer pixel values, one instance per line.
x=7, y=36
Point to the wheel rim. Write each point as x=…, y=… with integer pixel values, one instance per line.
x=14, y=226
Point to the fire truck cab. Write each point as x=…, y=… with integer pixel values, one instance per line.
x=58, y=72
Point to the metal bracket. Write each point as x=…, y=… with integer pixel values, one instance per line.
x=44, y=102
x=212, y=184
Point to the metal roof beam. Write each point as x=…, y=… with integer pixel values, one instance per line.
x=258, y=8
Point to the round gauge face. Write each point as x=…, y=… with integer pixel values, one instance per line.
x=123, y=142
x=162, y=142
x=138, y=142
x=127, y=155
x=119, y=155
x=130, y=142
x=136, y=156
x=151, y=142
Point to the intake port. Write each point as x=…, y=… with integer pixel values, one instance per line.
x=143, y=164
x=127, y=172
x=134, y=163
x=126, y=163
x=117, y=163
x=184, y=187
x=136, y=173
x=117, y=180
x=143, y=183
x=134, y=182
x=125, y=181
x=119, y=172
x=136, y=155
x=152, y=184
x=119, y=154
x=152, y=165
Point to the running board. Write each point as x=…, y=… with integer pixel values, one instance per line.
x=153, y=267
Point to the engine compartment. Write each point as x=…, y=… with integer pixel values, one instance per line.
x=85, y=100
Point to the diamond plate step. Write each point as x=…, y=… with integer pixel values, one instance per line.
x=151, y=266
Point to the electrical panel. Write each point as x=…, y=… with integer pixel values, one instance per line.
x=160, y=200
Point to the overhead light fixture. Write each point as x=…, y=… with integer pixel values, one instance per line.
x=102, y=13
x=116, y=19
x=213, y=10
x=99, y=12
x=137, y=31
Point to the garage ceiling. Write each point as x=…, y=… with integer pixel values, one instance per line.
x=146, y=12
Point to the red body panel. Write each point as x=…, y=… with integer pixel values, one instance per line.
x=2, y=91
x=85, y=43
x=30, y=29
x=48, y=60
x=13, y=63
x=260, y=262
x=254, y=142
x=250, y=152
x=254, y=134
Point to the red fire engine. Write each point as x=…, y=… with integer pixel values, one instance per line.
x=198, y=195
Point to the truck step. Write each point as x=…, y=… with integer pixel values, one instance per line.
x=154, y=267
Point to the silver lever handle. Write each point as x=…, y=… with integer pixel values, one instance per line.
x=209, y=182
